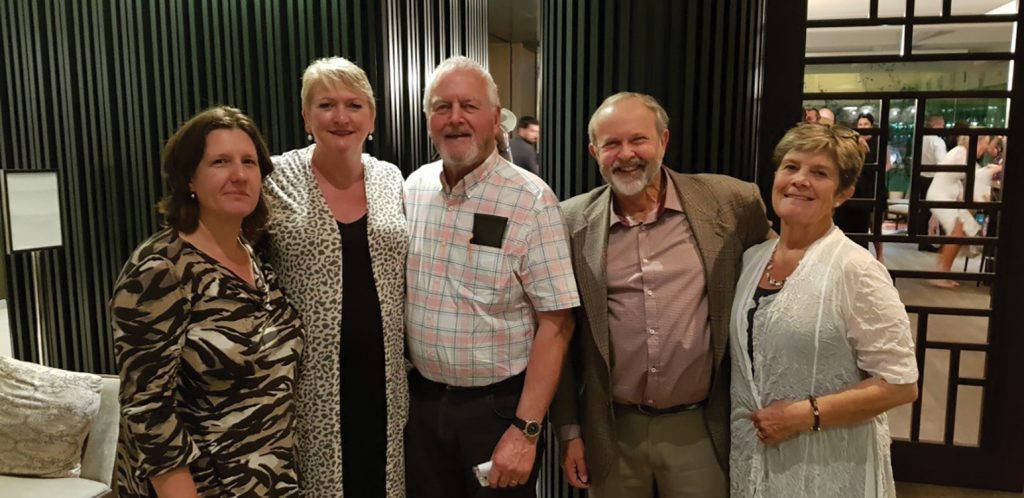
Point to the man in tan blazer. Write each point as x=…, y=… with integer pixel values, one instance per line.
x=644, y=401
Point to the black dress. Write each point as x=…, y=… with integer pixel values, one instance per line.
x=363, y=403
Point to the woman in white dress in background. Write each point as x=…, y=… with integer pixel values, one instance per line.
x=949, y=186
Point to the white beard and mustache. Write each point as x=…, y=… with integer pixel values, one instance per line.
x=637, y=184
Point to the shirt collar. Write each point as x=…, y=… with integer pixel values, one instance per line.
x=669, y=202
x=473, y=178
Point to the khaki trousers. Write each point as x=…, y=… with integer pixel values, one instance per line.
x=671, y=453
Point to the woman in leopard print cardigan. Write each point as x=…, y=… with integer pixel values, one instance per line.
x=338, y=239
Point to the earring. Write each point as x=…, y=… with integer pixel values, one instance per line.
x=192, y=195
x=309, y=137
x=370, y=137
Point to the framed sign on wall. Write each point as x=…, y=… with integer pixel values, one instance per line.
x=31, y=209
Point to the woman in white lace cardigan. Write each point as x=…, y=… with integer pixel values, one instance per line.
x=820, y=342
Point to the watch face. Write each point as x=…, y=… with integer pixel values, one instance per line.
x=532, y=429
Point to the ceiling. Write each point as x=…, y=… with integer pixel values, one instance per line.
x=514, y=21
x=886, y=40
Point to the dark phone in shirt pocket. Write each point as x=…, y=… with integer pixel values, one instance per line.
x=488, y=230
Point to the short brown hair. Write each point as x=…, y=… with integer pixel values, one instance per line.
x=840, y=143
x=181, y=156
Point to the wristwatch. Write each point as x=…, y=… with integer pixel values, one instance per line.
x=530, y=428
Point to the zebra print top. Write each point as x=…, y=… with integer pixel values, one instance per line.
x=208, y=364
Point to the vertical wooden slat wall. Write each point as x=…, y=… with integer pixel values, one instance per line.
x=701, y=59
x=698, y=58
x=417, y=37
x=92, y=88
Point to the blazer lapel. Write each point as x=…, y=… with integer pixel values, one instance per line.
x=701, y=211
x=591, y=242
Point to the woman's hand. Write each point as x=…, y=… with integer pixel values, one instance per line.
x=782, y=420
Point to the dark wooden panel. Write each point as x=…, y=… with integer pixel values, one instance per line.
x=699, y=59
x=93, y=88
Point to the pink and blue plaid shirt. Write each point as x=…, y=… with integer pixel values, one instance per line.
x=470, y=308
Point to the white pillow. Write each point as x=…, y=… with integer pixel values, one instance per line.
x=45, y=416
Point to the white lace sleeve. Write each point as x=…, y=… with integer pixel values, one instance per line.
x=877, y=325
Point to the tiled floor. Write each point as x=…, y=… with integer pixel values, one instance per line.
x=909, y=490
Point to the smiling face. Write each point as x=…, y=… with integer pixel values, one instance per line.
x=804, y=192
x=462, y=120
x=338, y=117
x=227, y=180
x=627, y=146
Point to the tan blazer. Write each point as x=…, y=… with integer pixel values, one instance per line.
x=726, y=216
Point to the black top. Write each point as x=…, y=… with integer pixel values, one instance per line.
x=363, y=403
x=758, y=294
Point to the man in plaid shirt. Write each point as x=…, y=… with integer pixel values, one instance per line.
x=490, y=288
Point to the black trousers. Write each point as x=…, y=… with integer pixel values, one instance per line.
x=452, y=430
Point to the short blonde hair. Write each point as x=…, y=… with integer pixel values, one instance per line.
x=332, y=72
x=456, y=63
x=660, y=116
x=840, y=143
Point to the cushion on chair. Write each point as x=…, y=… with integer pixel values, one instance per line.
x=67, y=487
x=45, y=415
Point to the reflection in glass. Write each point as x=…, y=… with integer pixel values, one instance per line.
x=979, y=7
x=967, y=425
x=962, y=38
x=933, y=395
x=831, y=9
x=927, y=8
x=972, y=364
x=892, y=8
x=907, y=76
x=976, y=113
x=860, y=40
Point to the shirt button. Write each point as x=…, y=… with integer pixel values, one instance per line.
x=650, y=331
x=654, y=370
x=645, y=261
x=650, y=292
x=451, y=208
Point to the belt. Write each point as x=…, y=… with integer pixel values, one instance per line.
x=650, y=410
x=513, y=383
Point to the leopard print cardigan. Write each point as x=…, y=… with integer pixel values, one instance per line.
x=305, y=250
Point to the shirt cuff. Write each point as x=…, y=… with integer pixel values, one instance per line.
x=567, y=432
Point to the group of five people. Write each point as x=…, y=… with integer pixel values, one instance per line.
x=682, y=347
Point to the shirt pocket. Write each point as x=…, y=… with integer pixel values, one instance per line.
x=490, y=275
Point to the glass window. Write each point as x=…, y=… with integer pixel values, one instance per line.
x=831, y=9
x=861, y=40
x=907, y=76
x=976, y=113
x=961, y=38
x=986, y=7
x=892, y=8
x=927, y=8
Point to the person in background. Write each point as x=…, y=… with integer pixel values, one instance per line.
x=643, y=409
x=933, y=151
x=819, y=341
x=810, y=115
x=860, y=219
x=338, y=237
x=950, y=186
x=206, y=344
x=490, y=294
x=523, y=144
x=826, y=116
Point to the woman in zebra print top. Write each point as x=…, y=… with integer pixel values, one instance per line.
x=206, y=344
